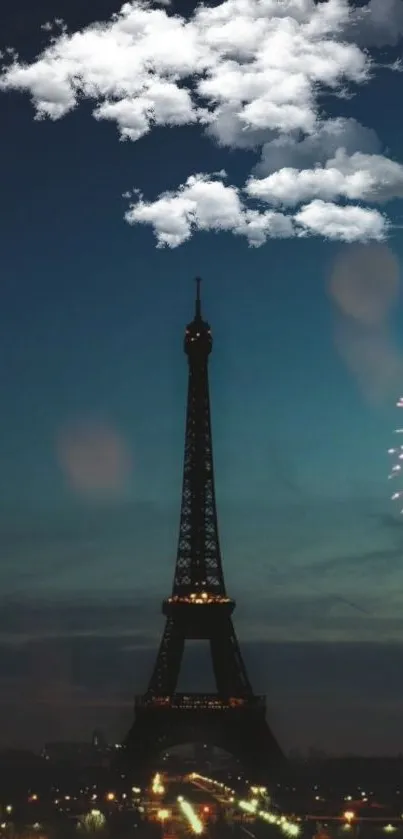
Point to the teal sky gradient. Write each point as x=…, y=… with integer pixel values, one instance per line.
x=91, y=327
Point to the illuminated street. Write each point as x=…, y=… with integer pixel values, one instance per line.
x=200, y=805
x=205, y=806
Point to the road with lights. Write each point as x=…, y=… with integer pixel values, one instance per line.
x=203, y=806
x=194, y=803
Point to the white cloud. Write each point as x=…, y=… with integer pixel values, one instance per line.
x=381, y=178
x=365, y=177
x=250, y=73
x=164, y=102
x=347, y=223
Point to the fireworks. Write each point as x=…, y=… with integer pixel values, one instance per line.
x=396, y=455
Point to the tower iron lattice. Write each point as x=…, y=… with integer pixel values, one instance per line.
x=233, y=718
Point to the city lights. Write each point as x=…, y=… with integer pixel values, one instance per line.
x=258, y=790
x=248, y=806
x=199, y=597
x=287, y=827
x=227, y=795
x=213, y=799
x=189, y=813
x=157, y=786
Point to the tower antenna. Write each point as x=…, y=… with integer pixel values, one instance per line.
x=198, y=300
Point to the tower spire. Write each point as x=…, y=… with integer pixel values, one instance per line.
x=198, y=300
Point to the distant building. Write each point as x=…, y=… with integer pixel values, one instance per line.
x=99, y=739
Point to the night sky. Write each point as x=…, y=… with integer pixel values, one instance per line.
x=302, y=293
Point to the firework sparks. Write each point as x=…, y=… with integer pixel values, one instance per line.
x=396, y=455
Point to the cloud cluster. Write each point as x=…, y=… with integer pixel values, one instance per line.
x=204, y=202
x=250, y=72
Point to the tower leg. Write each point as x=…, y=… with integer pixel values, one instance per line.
x=229, y=669
x=165, y=676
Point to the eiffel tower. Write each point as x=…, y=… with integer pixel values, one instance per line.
x=233, y=718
